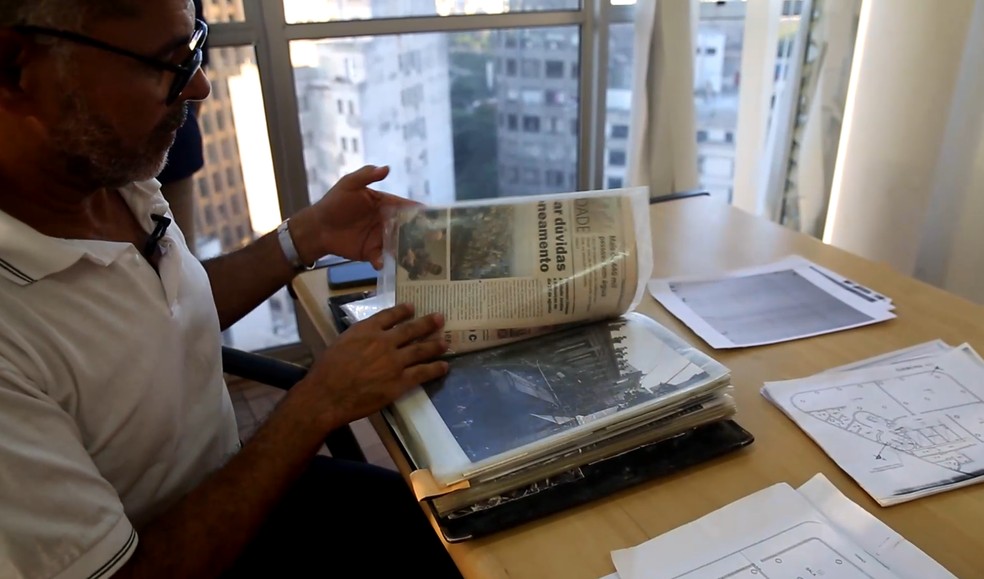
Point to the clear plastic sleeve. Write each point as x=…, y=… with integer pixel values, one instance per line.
x=504, y=269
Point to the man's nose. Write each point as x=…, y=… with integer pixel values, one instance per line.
x=198, y=87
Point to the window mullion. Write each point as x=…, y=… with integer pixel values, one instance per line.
x=280, y=102
x=587, y=94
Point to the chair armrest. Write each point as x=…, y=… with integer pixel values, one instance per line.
x=258, y=368
x=262, y=369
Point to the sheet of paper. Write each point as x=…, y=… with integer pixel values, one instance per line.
x=775, y=532
x=903, y=430
x=787, y=300
x=919, y=351
x=891, y=549
x=933, y=348
x=780, y=532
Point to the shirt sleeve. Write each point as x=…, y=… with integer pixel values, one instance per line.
x=58, y=516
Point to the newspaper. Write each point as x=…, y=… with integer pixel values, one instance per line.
x=507, y=269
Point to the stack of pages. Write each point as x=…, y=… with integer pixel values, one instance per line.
x=790, y=299
x=904, y=425
x=557, y=392
x=812, y=531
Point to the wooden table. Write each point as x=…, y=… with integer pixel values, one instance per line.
x=701, y=235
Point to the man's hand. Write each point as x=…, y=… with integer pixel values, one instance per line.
x=373, y=363
x=347, y=221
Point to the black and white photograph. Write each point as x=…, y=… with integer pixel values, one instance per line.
x=505, y=398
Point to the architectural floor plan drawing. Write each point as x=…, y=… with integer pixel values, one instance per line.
x=903, y=430
x=808, y=549
x=781, y=533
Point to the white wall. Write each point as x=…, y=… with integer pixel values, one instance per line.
x=904, y=80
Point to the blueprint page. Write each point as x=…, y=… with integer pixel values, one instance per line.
x=902, y=431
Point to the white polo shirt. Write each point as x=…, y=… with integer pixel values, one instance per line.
x=112, y=401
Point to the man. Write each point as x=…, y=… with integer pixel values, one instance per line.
x=118, y=446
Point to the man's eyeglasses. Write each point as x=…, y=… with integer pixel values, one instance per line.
x=183, y=72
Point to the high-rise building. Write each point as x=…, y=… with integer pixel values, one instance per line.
x=537, y=84
x=222, y=209
x=537, y=80
x=382, y=100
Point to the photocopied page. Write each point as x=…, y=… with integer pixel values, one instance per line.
x=779, y=532
x=503, y=270
x=501, y=408
x=788, y=300
x=902, y=430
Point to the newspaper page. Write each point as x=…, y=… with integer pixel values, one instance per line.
x=510, y=268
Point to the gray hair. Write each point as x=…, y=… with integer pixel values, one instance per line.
x=66, y=14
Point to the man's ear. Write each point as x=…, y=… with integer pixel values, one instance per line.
x=14, y=48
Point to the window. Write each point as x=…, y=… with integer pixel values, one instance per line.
x=620, y=131
x=530, y=68
x=701, y=136
x=555, y=97
x=616, y=158
x=482, y=123
x=241, y=185
x=344, y=144
x=531, y=124
x=452, y=78
x=301, y=11
x=555, y=69
x=614, y=182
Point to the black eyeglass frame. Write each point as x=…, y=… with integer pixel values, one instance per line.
x=183, y=72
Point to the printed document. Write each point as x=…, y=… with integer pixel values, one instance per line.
x=787, y=300
x=903, y=429
x=781, y=532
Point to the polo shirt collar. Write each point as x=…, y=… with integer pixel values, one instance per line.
x=27, y=256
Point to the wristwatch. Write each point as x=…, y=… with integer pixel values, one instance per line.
x=287, y=245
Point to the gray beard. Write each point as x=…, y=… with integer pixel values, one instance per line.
x=91, y=155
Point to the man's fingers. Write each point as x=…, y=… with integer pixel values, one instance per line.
x=390, y=317
x=419, y=328
x=363, y=177
x=422, y=351
x=386, y=199
x=421, y=373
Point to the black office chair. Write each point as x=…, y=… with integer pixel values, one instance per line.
x=678, y=195
x=341, y=443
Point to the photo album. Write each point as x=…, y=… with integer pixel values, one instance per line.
x=558, y=392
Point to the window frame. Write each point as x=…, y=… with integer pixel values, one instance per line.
x=265, y=29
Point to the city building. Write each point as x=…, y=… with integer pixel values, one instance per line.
x=380, y=100
x=222, y=208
